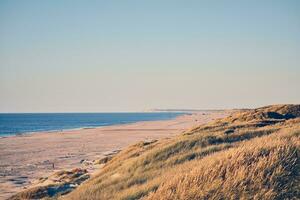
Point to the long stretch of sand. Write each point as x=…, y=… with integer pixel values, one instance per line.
x=26, y=158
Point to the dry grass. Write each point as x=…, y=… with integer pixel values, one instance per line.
x=264, y=168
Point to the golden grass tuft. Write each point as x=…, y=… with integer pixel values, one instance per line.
x=264, y=168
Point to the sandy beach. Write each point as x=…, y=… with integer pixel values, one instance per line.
x=26, y=158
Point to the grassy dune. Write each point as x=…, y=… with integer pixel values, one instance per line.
x=253, y=154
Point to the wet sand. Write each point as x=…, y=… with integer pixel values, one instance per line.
x=26, y=158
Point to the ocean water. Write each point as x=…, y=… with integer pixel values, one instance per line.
x=21, y=123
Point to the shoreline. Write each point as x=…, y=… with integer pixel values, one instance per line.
x=24, y=159
x=24, y=134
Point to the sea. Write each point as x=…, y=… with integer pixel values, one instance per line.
x=24, y=123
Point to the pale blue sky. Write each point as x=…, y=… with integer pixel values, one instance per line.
x=93, y=56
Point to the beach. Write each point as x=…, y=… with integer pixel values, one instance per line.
x=26, y=158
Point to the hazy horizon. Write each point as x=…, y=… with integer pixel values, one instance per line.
x=104, y=56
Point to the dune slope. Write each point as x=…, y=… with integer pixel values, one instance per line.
x=251, y=154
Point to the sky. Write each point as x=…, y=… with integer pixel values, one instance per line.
x=121, y=56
